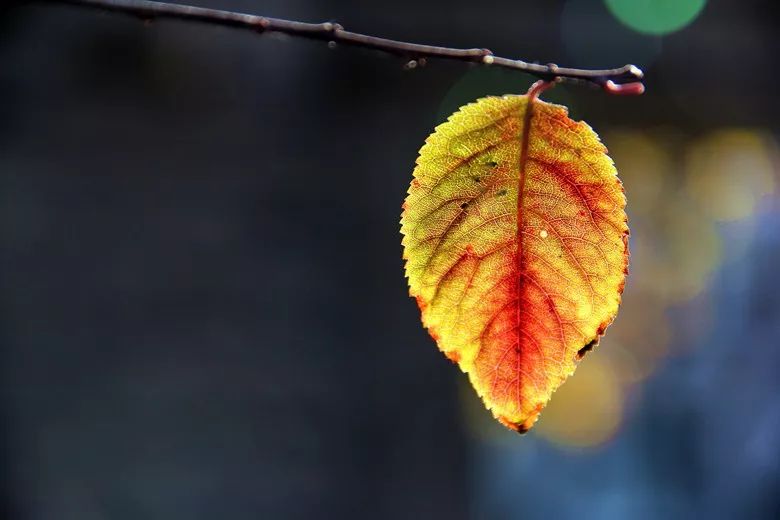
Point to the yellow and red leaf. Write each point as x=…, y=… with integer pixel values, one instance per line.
x=516, y=246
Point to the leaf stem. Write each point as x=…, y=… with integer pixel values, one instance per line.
x=622, y=80
x=539, y=87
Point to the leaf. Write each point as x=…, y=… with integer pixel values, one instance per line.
x=516, y=246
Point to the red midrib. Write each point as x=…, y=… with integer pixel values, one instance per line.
x=524, y=140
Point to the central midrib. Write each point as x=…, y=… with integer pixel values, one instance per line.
x=524, y=140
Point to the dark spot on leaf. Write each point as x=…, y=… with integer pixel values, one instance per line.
x=492, y=164
x=501, y=193
x=477, y=180
x=587, y=348
x=464, y=205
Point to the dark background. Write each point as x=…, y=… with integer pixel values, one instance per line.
x=203, y=312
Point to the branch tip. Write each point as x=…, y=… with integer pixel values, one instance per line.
x=634, y=88
x=635, y=71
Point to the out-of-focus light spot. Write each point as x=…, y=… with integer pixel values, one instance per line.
x=656, y=16
x=643, y=165
x=639, y=337
x=593, y=38
x=587, y=409
x=677, y=253
x=629, y=369
x=728, y=171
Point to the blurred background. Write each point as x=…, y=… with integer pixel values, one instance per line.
x=203, y=312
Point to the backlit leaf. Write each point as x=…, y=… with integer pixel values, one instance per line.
x=516, y=247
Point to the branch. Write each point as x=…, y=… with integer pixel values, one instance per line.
x=623, y=80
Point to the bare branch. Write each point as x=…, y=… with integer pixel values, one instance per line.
x=623, y=80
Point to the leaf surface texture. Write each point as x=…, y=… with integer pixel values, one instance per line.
x=516, y=246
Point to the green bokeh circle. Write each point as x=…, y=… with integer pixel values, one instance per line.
x=655, y=16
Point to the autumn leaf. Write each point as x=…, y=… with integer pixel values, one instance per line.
x=516, y=246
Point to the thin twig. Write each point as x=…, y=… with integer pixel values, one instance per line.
x=623, y=80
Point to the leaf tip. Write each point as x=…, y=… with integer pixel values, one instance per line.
x=525, y=426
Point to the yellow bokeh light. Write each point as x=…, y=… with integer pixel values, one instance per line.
x=728, y=171
x=639, y=337
x=587, y=410
x=629, y=368
x=677, y=253
x=643, y=165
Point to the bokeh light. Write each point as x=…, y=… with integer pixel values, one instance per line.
x=680, y=246
x=586, y=411
x=593, y=38
x=645, y=165
x=729, y=171
x=656, y=16
x=678, y=251
x=639, y=337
